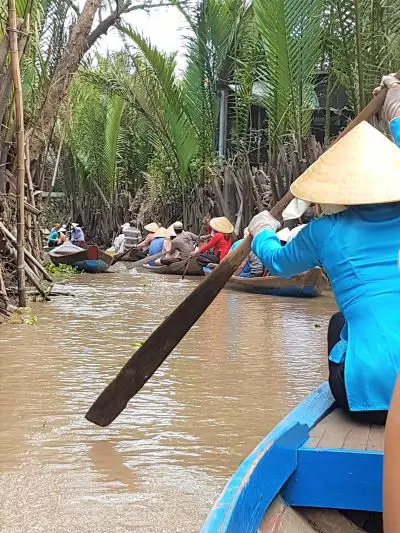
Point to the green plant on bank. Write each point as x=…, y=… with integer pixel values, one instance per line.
x=60, y=271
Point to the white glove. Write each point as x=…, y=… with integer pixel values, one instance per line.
x=386, y=81
x=261, y=222
x=391, y=106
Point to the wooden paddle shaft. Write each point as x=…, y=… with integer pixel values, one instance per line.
x=366, y=114
x=142, y=365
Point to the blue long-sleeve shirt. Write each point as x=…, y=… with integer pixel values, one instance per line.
x=358, y=249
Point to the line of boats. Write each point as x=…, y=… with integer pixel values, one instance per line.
x=93, y=260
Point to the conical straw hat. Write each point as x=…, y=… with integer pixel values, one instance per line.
x=152, y=227
x=362, y=168
x=221, y=224
x=161, y=232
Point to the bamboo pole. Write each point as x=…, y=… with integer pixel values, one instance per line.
x=19, y=115
x=29, y=256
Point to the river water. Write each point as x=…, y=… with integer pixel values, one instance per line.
x=162, y=463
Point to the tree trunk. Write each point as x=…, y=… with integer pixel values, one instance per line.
x=19, y=117
x=67, y=66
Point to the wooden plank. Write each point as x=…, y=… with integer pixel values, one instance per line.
x=357, y=438
x=375, y=438
x=338, y=426
x=336, y=479
x=283, y=519
x=329, y=521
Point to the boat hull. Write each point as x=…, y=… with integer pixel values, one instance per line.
x=178, y=268
x=91, y=260
x=316, y=459
x=307, y=285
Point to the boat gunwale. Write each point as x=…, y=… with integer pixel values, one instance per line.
x=309, y=412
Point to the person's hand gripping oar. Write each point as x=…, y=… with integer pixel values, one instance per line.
x=142, y=365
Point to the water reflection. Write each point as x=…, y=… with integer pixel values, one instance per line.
x=246, y=362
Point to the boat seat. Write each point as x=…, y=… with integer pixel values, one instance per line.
x=339, y=466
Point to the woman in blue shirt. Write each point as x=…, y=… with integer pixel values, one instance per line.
x=358, y=246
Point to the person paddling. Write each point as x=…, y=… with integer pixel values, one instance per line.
x=181, y=246
x=151, y=230
x=220, y=242
x=357, y=184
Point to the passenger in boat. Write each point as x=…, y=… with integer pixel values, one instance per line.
x=357, y=185
x=182, y=245
x=151, y=229
x=157, y=243
x=119, y=241
x=220, y=242
x=132, y=235
x=62, y=236
x=253, y=267
x=77, y=235
x=53, y=237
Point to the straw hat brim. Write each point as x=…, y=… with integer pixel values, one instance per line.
x=361, y=168
x=161, y=232
x=152, y=227
x=221, y=224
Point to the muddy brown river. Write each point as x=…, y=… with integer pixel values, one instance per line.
x=162, y=463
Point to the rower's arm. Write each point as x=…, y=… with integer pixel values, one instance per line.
x=299, y=255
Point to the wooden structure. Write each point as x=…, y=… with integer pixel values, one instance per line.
x=317, y=470
x=90, y=260
x=306, y=285
x=178, y=268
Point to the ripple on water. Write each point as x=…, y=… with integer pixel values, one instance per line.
x=244, y=365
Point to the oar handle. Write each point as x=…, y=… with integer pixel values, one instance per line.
x=367, y=113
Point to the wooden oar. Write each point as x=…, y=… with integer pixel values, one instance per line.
x=146, y=260
x=186, y=268
x=142, y=365
x=120, y=256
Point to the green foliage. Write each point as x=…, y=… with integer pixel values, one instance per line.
x=60, y=271
x=133, y=120
x=291, y=34
x=363, y=39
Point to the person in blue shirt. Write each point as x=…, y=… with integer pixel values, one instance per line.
x=253, y=268
x=357, y=182
x=156, y=245
x=53, y=237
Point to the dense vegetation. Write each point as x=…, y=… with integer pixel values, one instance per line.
x=129, y=136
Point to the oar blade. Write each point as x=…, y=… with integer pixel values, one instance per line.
x=142, y=365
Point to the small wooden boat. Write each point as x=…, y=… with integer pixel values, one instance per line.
x=90, y=260
x=316, y=471
x=178, y=268
x=306, y=285
x=130, y=255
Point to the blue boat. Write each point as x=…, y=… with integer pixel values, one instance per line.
x=91, y=259
x=317, y=470
x=307, y=285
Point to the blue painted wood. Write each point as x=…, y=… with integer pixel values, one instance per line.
x=92, y=266
x=339, y=479
x=239, y=495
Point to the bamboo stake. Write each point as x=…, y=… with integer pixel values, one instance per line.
x=19, y=115
x=29, y=256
